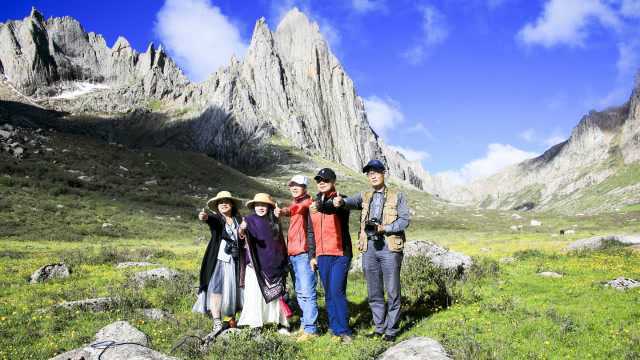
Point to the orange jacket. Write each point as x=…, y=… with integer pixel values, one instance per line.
x=331, y=228
x=300, y=234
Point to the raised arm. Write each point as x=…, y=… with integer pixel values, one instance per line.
x=353, y=203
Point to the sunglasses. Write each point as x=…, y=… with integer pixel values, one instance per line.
x=318, y=181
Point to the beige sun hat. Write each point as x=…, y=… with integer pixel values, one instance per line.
x=261, y=198
x=213, y=203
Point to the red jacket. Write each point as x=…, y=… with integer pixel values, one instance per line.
x=300, y=235
x=331, y=228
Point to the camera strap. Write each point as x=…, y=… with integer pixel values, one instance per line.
x=384, y=201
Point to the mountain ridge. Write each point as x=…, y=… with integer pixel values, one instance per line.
x=288, y=83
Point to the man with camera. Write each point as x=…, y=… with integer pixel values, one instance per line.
x=383, y=220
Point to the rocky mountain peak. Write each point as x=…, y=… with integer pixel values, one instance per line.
x=36, y=14
x=121, y=44
x=296, y=19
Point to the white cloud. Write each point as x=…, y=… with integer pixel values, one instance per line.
x=630, y=8
x=533, y=137
x=383, y=114
x=198, y=36
x=566, y=22
x=435, y=31
x=528, y=135
x=419, y=129
x=554, y=139
x=365, y=6
x=628, y=58
x=617, y=96
x=497, y=157
x=411, y=154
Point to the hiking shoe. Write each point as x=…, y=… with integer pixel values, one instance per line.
x=389, y=338
x=373, y=334
x=217, y=327
x=305, y=336
x=284, y=331
x=346, y=339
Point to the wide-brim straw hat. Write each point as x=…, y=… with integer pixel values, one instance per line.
x=213, y=203
x=261, y=198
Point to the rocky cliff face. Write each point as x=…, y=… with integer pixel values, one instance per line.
x=289, y=83
x=38, y=56
x=603, y=146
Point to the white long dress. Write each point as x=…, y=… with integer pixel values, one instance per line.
x=256, y=312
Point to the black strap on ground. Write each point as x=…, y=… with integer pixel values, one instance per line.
x=107, y=344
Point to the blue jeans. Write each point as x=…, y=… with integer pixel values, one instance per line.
x=333, y=274
x=305, y=283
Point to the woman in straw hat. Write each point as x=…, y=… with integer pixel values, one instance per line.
x=220, y=291
x=266, y=265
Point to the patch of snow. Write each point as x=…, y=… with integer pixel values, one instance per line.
x=79, y=89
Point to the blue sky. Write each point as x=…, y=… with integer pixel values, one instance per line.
x=464, y=86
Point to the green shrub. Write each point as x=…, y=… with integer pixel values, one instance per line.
x=111, y=255
x=423, y=282
x=482, y=268
x=244, y=345
x=528, y=254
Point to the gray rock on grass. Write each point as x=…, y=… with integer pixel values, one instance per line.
x=163, y=273
x=94, y=305
x=599, y=242
x=156, y=314
x=49, y=272
x=550, y=274
x=416, y=348
x=622, y=283
x=439, y=256
x=119, y=340
x=128, y=264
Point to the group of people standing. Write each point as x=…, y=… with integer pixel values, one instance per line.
x=247, y=260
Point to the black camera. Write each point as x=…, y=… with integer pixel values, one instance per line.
x=231, y=248
x=371, y=228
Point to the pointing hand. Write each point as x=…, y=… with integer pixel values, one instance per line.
x=338, y=201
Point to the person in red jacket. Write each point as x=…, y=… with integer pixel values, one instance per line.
x=333, y=252
x=301, y=250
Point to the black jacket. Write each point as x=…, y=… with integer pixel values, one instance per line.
x=216, y=224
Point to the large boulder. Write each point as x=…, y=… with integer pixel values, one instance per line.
x=439, y=256
x=48, y=272
x=163, y=274
x=599, y=242
x=417, y=348
x=118, y=340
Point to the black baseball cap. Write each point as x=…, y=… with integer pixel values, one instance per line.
x=375, y=165
x=325, y=174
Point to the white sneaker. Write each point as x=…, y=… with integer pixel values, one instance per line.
x=284, y=331
x=217, y=327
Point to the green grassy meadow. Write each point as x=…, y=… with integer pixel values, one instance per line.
x=502, y=311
